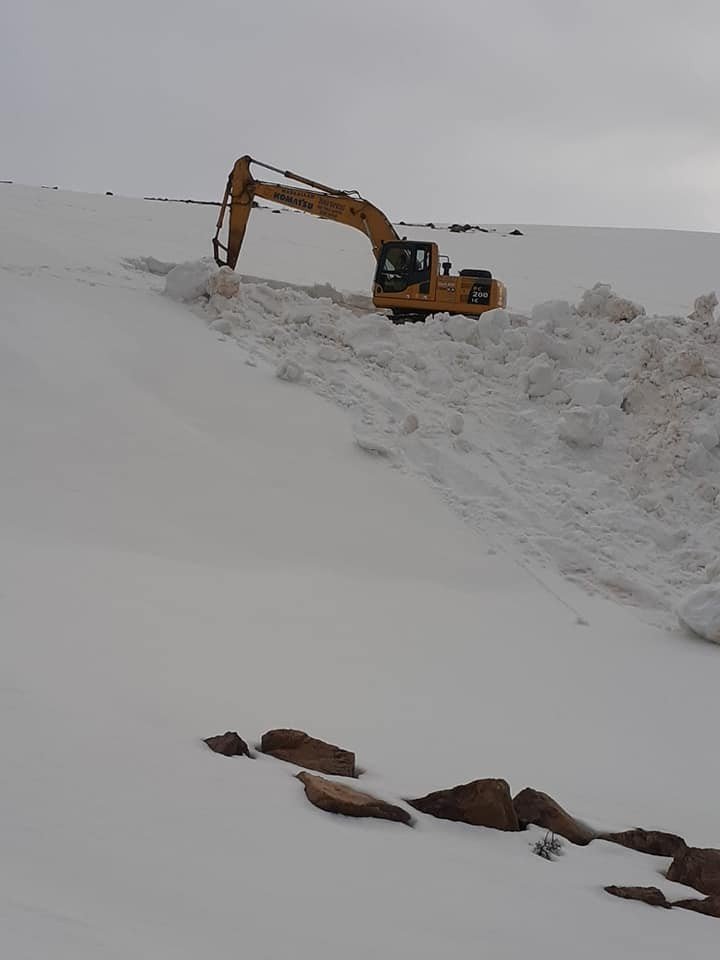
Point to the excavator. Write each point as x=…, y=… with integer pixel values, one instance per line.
x=412, y=280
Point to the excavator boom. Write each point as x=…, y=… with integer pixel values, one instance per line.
x=322, y=201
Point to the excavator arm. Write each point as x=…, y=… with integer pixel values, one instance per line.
x=342, y=206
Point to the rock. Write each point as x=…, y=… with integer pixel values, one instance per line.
x=483, y=803
x=654, y=842
x=297, y=747
x=710, y=906
x=410, y=424
x=649, y=895
x=339, y=798
x=516, y=233
x=228, y=744
x=532, y=806
x=697, y=867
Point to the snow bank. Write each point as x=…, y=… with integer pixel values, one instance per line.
x=609, y=430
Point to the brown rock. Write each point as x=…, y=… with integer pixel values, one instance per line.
x=339, y=798
x=228, y=744
x=297, y=747
x=483, y=803
x=710, y=906
x=654, y=842
x=697, y=867
x=532, y=806
x=650, y=895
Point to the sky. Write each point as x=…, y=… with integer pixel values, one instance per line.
x=598, y=112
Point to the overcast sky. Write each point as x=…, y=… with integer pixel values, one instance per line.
x=530, y=111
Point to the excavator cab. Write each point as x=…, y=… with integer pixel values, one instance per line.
x=403, y=264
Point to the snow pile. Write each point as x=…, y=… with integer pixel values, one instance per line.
x=603, y=302
x=610, y=431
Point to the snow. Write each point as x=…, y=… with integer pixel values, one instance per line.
x=193, y=544
x=700, y=612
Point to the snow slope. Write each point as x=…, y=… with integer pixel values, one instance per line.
x=190, y=545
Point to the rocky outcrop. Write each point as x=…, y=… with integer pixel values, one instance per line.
x=710, y=906
x=229, y=744
x=532, y=806
x=339, y=798
x=296, y=746
x=483, y=803
x=697, y=867
x=649, y=895
x=654, y=842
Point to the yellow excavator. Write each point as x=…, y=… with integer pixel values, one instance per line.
x=412, y=279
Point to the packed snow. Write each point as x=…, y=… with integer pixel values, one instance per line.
x=227, y=508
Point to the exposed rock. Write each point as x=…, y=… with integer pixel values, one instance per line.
x=532, y=806
x=649, y=895
x=483, y=803
x=339, y=798
x=228, y=744
x=516, y=233
x=295, y=746
x=697, y=867
x=710, y=906
x=654, y=842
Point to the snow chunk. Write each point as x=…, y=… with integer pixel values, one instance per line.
x=551, y=314
x=603, y=303
x=704, y=308
x=581, y=427
x=222, y=325
x=700, y=612
x=591, y=391
x=189, y=281
x=706, y=434
x=370, y=336
x=539, y=378
x=456, y=423
x=462, y=329
x=224, y=283
x=539, y=342
x=491, y=326
x=290, y=371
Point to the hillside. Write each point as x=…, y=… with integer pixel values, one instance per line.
x=194, y=544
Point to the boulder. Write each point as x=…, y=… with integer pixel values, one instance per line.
x=697, y=867
x=654, y=842
x=228, y=744
x=649, y=895
x=532, y=806
x=295, y=746
x=339, y=798
x=483, y=803
x=710, y=906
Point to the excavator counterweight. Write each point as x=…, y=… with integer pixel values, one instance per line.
x=408, y=280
